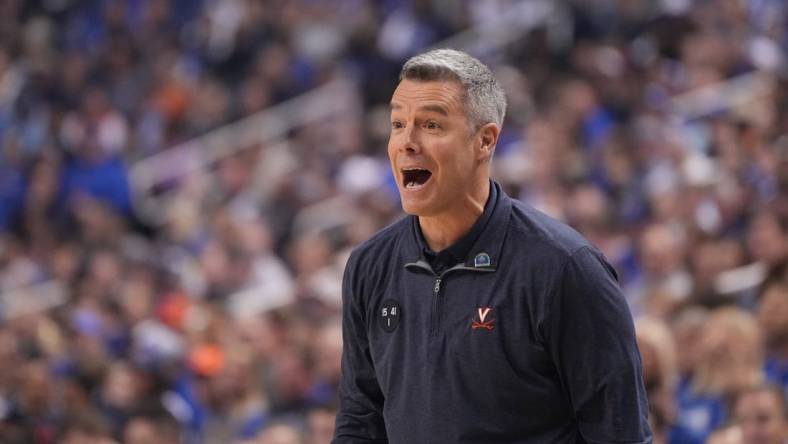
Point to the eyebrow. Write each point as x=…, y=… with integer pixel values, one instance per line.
x=432, y=108
x=436, y=109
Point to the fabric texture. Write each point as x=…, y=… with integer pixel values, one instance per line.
x=532, y=343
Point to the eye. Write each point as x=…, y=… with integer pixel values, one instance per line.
x=396, y=124
x=432, y=125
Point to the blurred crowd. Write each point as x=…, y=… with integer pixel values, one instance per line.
x=218, y=322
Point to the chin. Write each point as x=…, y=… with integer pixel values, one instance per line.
x=415, y=208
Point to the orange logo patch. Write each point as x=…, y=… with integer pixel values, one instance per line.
x=482, y=322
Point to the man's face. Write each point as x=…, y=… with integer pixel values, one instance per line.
x=434, y=153
x=773, y=315
x=759, y=414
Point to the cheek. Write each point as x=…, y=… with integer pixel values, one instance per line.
x=457, y=157
x=390, y=147
x=392, y=154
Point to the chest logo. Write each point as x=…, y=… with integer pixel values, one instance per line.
x=482, y=321
x=482, y=260
x=389, y=315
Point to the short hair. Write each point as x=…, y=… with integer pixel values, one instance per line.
x=777, y=275
x=765, y=387
x=484, y=98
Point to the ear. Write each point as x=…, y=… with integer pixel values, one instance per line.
x=488, y=135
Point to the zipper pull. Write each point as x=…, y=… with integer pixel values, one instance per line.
x=437, y=285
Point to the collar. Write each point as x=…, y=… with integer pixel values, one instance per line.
x=456, y=253
x=481, y=246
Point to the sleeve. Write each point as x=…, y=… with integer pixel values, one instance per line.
x=360, y=416
x=591, y=338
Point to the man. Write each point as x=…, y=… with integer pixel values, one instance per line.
x=772, y=312
x=478, y=319
x=760, y=413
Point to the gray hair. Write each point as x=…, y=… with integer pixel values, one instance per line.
x=484, y=98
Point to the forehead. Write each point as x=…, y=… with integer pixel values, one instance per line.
x=415, y=94
x=777, y=289
x=762, y=399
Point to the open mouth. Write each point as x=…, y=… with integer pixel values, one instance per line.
x=415, y=177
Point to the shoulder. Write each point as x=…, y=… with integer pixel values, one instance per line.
x=372, y=262
x=381, y=246
x=556, y=246
x=540, y=230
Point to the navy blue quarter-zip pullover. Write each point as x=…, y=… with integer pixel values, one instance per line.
x=527, y=340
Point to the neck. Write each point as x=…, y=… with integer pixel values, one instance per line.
x=442, y=230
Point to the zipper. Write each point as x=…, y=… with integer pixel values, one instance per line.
x=435, y=316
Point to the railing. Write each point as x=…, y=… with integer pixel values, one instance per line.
x=155, y=179
x=732, y=93
x=162, y=170
x=34, y=298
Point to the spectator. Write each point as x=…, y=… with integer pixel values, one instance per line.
x=730, y=360
x=151, y=429
x=86, y=429
x=772, y=312
x=662, y=255
x=760, y=413
x=687, y=328
x=320, y=425
x=660, y=375
x=726, y=435
x=281, y=433
x=216, y=311
x=767, y=239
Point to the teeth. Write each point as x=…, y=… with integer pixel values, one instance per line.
x=410, y=184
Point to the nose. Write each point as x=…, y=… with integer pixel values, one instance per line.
x=410, y=142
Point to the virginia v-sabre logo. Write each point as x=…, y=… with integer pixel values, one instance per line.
x=482, y=320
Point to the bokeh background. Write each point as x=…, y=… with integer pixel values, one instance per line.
x=181, y=183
